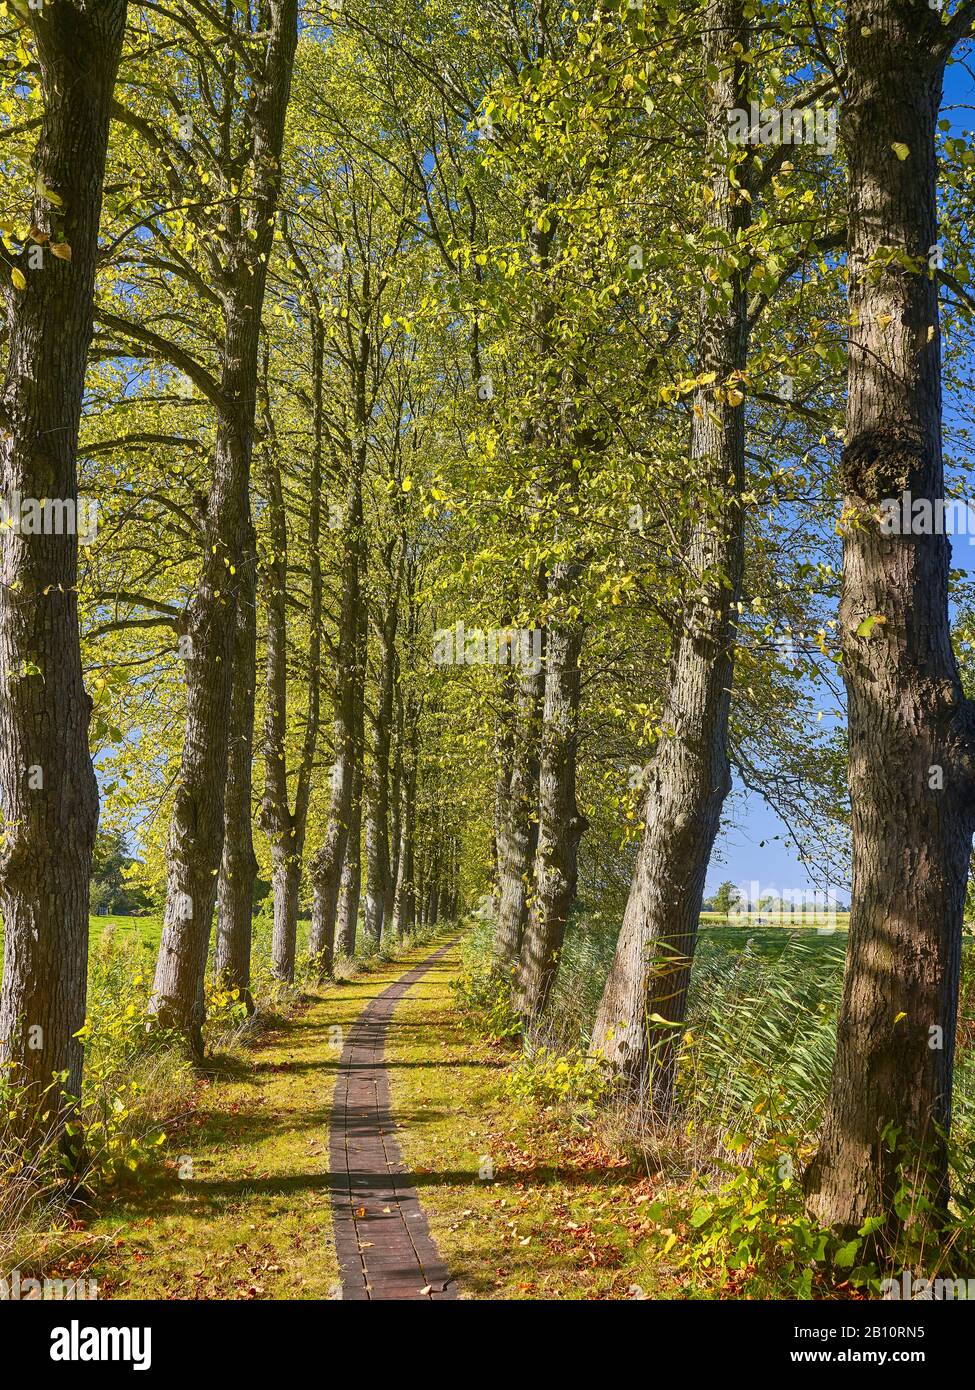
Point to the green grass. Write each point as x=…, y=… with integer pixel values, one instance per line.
x=562, y=1215
x=241, y=1206
x=147, y=930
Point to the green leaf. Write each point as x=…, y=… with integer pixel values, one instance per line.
x=844, y=1257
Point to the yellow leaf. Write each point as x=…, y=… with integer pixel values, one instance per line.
x=48, y=193
x=19, y=279
x=901, y=150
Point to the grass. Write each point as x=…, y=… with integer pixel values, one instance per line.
x=580, y=1203
x=563, y=1215
x=531, y=1192
x=146, y=930
x=239, y=1207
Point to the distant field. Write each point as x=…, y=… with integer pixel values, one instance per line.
x=146, y=929
x=793, y=920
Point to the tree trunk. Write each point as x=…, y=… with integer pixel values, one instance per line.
x=910, y=729
x=350, y=888
x=196, y=829
x=560, y=824
x=689, y=777
x=404, y=911
x=325, y=869
x=276, y=818
x=285, y=827
x=351, y=883
x=378, y=876
x=395, y=816
x=443, y=901
x=47, y=784
x=238, y=865
x=420, y=860
x=434, y=870
x=517, y=817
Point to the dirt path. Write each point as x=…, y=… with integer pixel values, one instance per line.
x=382, y=1241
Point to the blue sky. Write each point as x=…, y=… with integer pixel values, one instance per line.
x=756, y=844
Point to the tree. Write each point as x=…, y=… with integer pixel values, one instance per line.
x=689, y=776
x=47, y=784
x=197, y=825
x=725, y=899
x=889, y=1109
x=111, y=888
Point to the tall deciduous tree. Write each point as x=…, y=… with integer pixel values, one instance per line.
x=911, y=731
x=689, y=775
x=47, y=784
x=196, y=827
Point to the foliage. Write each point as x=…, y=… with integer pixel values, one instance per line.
x=569, y=1079
x=114, y=886
x=751, y=1233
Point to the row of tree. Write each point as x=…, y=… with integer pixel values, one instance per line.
x=464, y=413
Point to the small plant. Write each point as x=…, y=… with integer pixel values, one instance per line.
x=226, y=1011
x=484, y=997
x=752, y=1234
x=569, y=1079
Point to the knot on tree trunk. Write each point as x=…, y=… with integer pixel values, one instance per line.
x=881, y=463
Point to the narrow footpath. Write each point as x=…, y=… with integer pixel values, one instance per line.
x=383, y=1244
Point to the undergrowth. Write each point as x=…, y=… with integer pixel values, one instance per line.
x=753, y=1075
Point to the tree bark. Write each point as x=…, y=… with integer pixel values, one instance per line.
x=404, y=911
x=285, y=826
x=890, y=1099
x=325, y=869
x=378, y=876
x=560, y=824
x=350, y=887
x=238, y=865
x=516, y=821
x=688, y=777
x=47, y=784
x=396, y=809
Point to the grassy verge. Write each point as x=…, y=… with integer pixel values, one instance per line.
x=240, y=1207
x=539, y=1184
x=564, y=1216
